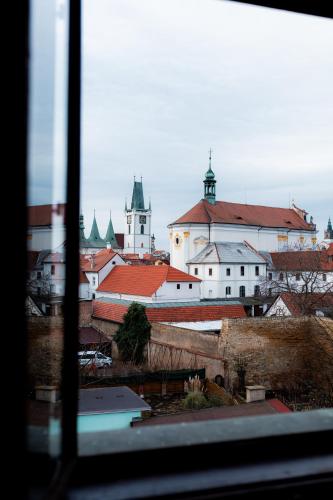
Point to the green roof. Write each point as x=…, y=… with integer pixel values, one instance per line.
x=138, y=202
x=94, y=233
x=110, y=237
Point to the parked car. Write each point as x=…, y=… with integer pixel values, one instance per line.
x=88, y=358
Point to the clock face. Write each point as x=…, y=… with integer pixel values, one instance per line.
x=129, y=219
x=142, y=219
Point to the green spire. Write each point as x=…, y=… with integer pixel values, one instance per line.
x=138, y=202
x=94, y=233
x=329, y=225
x=110, y=237
x=82, y=236
x=209, y=182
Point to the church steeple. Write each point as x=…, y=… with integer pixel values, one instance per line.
x=138, y=202
x=82, y=236
x=110, y=237
x=94, y=233
x=209, y=182
x=329, y=231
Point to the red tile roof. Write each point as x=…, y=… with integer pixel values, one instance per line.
x=41, y=215
x=293, y=301
x=83, y=278
x=88, y=335
x=224, y=212
x=142, y=280
x=115, y=312
x=309, y=260
x=94, y=263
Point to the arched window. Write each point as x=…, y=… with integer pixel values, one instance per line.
x=141, y=245
x=242, y=291
x=129, y=229
x=228, y=290
x=257, y=290
x=142, y=229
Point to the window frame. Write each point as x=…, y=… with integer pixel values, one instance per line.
x=286, y=450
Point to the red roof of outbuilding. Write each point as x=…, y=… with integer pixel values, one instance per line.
x=224, y=212
x=115, y=312
x=311, y=260
x=94, y=263
x=293, y=301
x=142, y=280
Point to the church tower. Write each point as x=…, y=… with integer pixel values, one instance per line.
x=138, y=223
x=210, y=182
x=328, y=234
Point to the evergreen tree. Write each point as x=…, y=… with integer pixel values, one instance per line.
x=133, y=335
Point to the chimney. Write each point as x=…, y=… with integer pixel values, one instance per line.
x=92, y=261
x=108, y=245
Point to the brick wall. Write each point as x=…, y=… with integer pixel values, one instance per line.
x=85, y=312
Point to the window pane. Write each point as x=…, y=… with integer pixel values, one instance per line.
x=46, y=221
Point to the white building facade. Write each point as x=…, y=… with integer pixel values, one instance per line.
x=138, y=236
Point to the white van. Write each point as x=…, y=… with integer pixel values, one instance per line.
x=87, y=358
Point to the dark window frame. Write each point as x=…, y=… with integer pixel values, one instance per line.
x=277, y=450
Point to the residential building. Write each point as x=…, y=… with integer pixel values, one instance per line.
x=228, y=269
x=96, y=266
x=46, y=226
x=290, y=304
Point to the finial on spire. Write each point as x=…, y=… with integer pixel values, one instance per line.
x=94, y=212
x=210, y=158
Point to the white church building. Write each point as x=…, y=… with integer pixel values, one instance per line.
x=261, y=228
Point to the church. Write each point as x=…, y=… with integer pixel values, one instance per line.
x=219, y=241
x=137, y=237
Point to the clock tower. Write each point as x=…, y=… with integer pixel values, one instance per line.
x=137, y=223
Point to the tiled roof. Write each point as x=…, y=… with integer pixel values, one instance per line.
x=115, y=312
x=55, y=257
x=41, y=215
x=142, y=280
x=224, y=212
x=293, y=302
x=310, y=260
x=96, y=262
x=227, y=252
x=83, y=278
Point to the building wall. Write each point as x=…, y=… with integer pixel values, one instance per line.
x=45, y=237
x=134, y=241
x=214, y=286
x=106, y=421
x=194, y=237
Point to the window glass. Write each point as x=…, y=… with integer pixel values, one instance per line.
x=46, y=220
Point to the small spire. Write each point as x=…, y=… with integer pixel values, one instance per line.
x=125, y=204
x=149, y=203
x=210, y=159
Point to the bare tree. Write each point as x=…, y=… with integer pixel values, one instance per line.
x=308, y=275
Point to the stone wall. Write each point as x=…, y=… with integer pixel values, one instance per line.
x=85, y=312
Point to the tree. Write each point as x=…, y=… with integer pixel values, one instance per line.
x=133, y=335
x=307, y=275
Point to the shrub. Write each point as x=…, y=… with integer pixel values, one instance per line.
x=215, y=400
x=195, y=401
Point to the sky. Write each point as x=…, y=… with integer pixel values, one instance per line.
x=165, y=81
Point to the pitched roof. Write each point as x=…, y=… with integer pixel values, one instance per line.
x=94, y=263
x=137, y=197
x=83, y=278
x=41, y=215
x=227, y=252
x=32, y=258
x=293, y=301
x=142, y=280
x=224, y=212
x=308, y=260
x=89, y=335
x=115, y=312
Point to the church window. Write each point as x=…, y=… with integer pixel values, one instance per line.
x=178, y=286
x=228, y=272
x=142, y=229
x=196, y=271
x=129, y=219
x=210, y=271
x=257, y=270
x=242, y=270
x=190, y=286
x=129, y=229
x=142, y=219
x=242, y=291
x=141, y=245
x=228, y=290
x=177, y=241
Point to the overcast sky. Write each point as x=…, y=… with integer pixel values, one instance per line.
x=164, y=81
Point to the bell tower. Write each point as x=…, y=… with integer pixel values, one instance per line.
x=137, y=223
x=209, y=183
